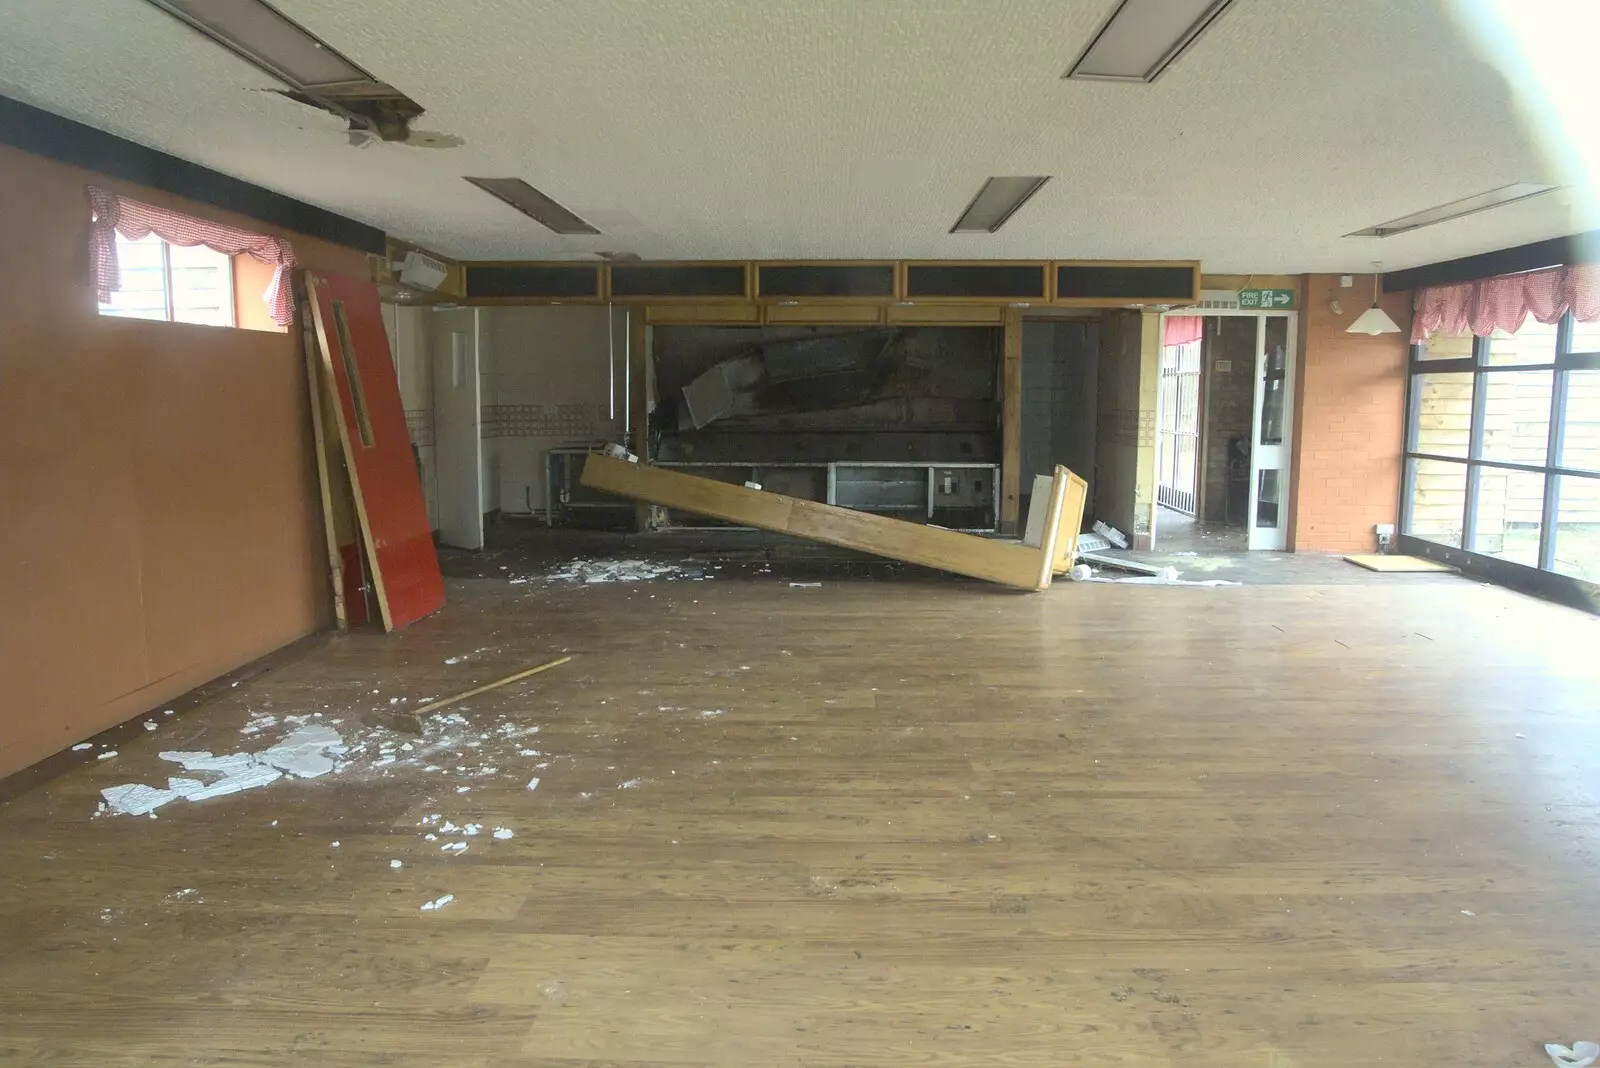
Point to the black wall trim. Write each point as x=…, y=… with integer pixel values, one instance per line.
x=65, y=141
x=1552, y=253
x=1562, y=589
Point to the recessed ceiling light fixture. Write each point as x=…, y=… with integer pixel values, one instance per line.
x=262, y=34
x=1494, y=198
x=996, y=202
x=534, y=204
x=1143, y=37
x=315, y=72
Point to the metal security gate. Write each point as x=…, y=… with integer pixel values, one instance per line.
x=1178, y=441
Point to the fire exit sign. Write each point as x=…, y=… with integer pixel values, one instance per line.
x=1266, y=298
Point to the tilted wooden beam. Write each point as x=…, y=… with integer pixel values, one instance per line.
x=1008, y=563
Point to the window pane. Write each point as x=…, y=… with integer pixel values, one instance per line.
x=202, y=286
x=1580, y=432
x=144, y=289
x=1438, y=500
x=1533, y=342
x=1275, y=359
x=1516, y=416
x=1578, y=527
x=1510, y=511
x=1585, y=337
x=1446, y=347
x=1444, y=412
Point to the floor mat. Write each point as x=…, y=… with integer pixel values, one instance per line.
x=1380, y=562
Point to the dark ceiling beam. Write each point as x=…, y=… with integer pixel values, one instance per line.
x=1576, y=248
x=46, y=134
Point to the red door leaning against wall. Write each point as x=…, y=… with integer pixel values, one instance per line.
x=377, y=447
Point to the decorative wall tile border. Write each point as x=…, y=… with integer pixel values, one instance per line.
x=419, y=424
x=566, y=421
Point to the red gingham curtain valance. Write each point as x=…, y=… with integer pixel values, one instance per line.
x=1181, y=329
x=134, y=219
x=1503, y=302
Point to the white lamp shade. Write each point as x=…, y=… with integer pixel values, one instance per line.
x=1373, y=321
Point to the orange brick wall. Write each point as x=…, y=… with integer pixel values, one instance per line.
x=1349, y=417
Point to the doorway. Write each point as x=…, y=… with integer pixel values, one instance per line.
x=1223, y=432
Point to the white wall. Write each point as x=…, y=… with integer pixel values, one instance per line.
x=408, y=329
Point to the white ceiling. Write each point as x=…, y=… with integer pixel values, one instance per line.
x=843, y=128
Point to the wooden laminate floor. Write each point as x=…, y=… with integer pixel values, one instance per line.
x=908, y=822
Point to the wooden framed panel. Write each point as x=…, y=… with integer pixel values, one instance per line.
x=1112, y=283
x=946, y=314
x=679, y=281
x=702, y=314
x=813, y=281
x=534, y=282
x=823, y=314
x=976, y=281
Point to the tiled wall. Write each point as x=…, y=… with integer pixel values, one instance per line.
x=1348, y=425
x=549, y=376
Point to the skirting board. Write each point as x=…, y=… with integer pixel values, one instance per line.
x=1008, y=563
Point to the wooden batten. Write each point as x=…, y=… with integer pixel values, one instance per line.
x=1011, y=422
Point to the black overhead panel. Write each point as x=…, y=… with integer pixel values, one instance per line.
x=825, y=280
x=46, y=134
x=1001, y=280
x=699, y=280
x=1087, y=281
x=539, y=280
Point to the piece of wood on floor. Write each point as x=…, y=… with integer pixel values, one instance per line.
x=1006, y=562
x=1384, y=562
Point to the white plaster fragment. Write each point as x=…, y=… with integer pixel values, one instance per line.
x=107, y=755
x=81, y=746
x=136, y=799
x=533, y=783
x=437, y=903
x=394, y=864
x=503, y=833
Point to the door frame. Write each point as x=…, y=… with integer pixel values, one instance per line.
x=1290, y=410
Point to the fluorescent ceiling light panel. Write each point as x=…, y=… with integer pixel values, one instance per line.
x=1494, y=198
x=534, y=204
x=1142, y=37
x=996, y=202
x=258, y=32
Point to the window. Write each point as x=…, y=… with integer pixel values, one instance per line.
x=1503, y=445
x=172, y=283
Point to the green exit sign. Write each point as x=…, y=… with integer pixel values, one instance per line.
x=1263, y=299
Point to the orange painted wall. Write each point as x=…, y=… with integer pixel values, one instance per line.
x=1349, y=416
x=159, y=520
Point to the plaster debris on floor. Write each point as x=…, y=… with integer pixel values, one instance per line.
x=1579, y=1055
x=437, y=903
x=312, y=747
x=590, y=572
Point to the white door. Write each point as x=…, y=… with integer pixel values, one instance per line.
x=1268, y=514
x=458, y=445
